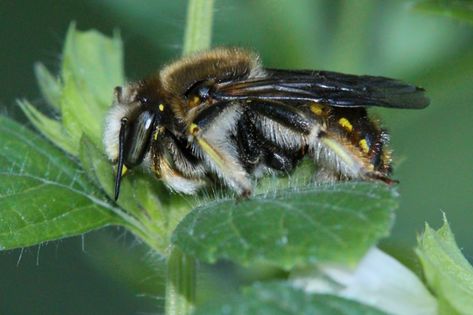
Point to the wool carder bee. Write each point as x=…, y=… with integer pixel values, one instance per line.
x=221, y=114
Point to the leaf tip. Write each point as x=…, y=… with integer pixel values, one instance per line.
x=72, y=27
x=22, y=102
x=444, y=218
x=117, y=36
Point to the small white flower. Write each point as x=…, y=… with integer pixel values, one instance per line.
x=378, y=280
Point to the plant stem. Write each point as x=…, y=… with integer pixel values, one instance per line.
x=180, y=283
x=181, y=269
x=198, y=26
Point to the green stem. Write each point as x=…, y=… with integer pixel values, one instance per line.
x=199, y=26
x=181, y=269
x=180, y=283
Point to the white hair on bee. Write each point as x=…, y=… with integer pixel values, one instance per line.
x=123, y=104
x=279, y=134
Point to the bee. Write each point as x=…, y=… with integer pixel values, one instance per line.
x=221, y=115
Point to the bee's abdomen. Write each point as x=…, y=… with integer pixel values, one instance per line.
x=363, y=134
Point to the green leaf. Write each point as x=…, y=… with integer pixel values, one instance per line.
x=95, y=62
x=100, y=170
x=133, y=267
x=458, y=9
x=283, y=299
x=326, y=223
x=447, y=271
x=43, y=194
x=92, y=67
x=50, y=86
x=138, y=195
x=49, y=127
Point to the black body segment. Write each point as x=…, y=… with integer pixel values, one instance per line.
x=248, y=142
x=210, y=113
x=286, y=115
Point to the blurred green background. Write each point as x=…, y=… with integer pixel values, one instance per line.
x=108, y=272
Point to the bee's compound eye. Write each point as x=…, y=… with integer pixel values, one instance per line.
x=138, y=137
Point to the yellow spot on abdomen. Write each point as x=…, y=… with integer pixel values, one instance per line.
x=316, y=109
x=345, y=123
x=161, y=107
x=364, y=146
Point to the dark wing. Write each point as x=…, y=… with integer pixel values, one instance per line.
x=330, y=88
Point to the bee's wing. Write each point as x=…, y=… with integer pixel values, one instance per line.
x=330, y=88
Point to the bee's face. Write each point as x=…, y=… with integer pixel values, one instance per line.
x=129, y=126
x=134, y=114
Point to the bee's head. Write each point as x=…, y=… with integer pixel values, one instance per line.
x=134, y=115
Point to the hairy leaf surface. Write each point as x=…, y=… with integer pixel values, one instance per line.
x=44, y=195
x=336, y=223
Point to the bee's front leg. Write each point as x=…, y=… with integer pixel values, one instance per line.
x=177, y=171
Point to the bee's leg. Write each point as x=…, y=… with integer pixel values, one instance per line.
x=256, y=153
x=339, y=158
x=282, y=160
x=325, y=174
x=283, y=130
x=211, y=134
x=249, y=144
x=171, y=169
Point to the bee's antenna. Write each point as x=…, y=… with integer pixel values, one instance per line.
x=121, y=157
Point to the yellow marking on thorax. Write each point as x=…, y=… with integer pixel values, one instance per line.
x=194, y=101
x=345, y=123
x=364, y=146
x=316, y=109
x=161, y=107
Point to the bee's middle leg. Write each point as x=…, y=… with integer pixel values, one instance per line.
x=211, y=134
x=284, y=131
